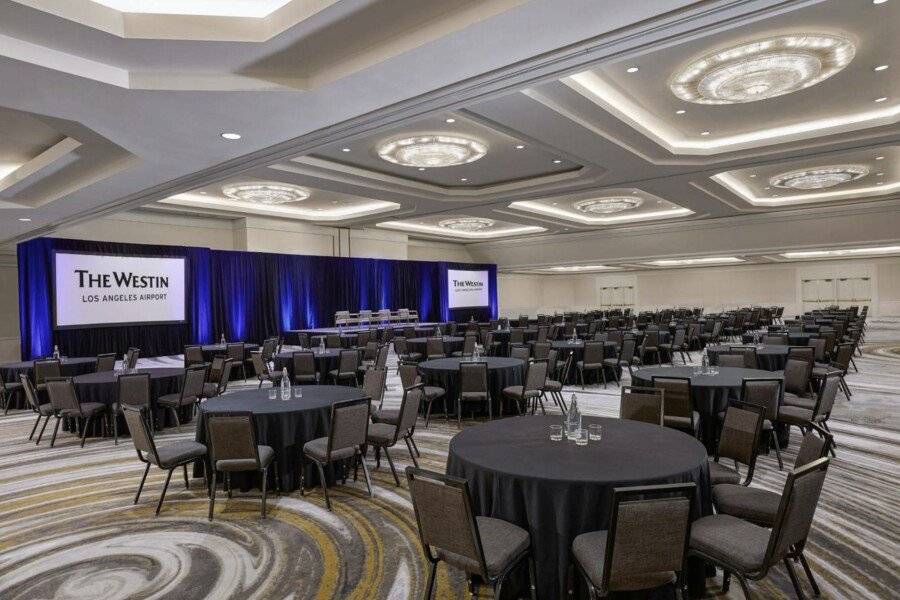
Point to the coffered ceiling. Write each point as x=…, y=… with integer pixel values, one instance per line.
x=640, y=121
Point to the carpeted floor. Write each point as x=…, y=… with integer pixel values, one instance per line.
x=68, y=528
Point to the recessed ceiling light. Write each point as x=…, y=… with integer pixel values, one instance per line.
x=752, y=174
x=25, y=219
x=230, y=135
x=767, y=188
x=519, y=147
x=680, y=112
x=880, y=183
x=710, y=260
x=345, y=149
x=878, y=1
x=632, y=70
x=704, y=133
x=421, y=168
x=844, y=252
x=204, y=193
x=882, y=99
x=266, y=193
x=879, y=158
x=432, y=150
x=450, y=120
x=879, y=174
x=463, y=179
x=556, y=161
x=881, y=67
x=556, y=204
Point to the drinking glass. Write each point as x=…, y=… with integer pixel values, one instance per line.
x=556, y=433
x=582, y=438
x=595, y=432
x=271, y=393
x=298, y=391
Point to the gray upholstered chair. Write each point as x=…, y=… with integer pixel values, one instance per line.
x=131, y=358
x=758, y=505
x=731, y=359
x=332, y=340
x=49, y=368
x=485, y=548
x=541, y=350
x=434, y=348
x=168, y=457
x=765, y=392
x=645, y=545
x=748, y=550
x=8, y=391
x=751, y=361
x=132, y=389
x=348, y=433
x=373, y=385
x=304, y=363
x=677, y=345
x=231, y=439
x=775, y=339
x=64, y=400
x=383, y=436
x=348, y=362
x=533, y=389
x=625, y=358
x=592, y=360
x=642, y=404
x=191, y=391
x=401, y=349
x=679, y=404
x=520, y=352
x=106, y=362
x=263, y=373
x=797, y=388
x=237, y=352
x=42, y=410
x=650, y=346
x=554, y=387
x=468, y=348
x=804, y=417
x=409, y=376
x=193, y=355
x=473, y=387
x=217, y=377
x=738, y=441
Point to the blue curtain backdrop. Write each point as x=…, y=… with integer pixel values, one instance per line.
x=245, y=295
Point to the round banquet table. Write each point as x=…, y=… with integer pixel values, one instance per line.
x=210, y=351
x=566, y=347
x=557, y=490
x=502, y=372
x=103, y=387
x=326, y=360
x=768, y=358
x=69, y=367
x=348, y=340
x=794, y=339
x=710, y=393
x=285, y=425
x=420, y=344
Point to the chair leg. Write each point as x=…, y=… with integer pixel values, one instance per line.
x=165, y=487
x=412, y=454
x=33, y=429
x=581, y=377
x=777, y=449
x=429, y=588
x=744, y=586
x=175, y=414
x=187, y=485
x=391, y=463
x=793, y=576
x=366, y=474
x=212, y=493
x=84, y=429
x=809, y=575
x=141, y=485
x=413, y=441
x=532, y=584
x=324, y=483
x=53, y=439
x=264, y=473
x=428, y=412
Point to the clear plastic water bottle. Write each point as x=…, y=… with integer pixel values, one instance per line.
x=573, y=419
x=56, y=352
x=285, y=385
x=222, y=339
x=321, y=345
x=704, y=363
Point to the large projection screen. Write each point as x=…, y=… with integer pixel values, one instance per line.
x=468, y=289
x=99, y=290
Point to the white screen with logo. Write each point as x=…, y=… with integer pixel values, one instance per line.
x=101, y=290
x=468, y=289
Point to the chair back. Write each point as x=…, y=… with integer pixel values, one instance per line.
x=678, y=338
x=332, y=340
x=813, y=446
x=775, y=340
x=740, y=432
x=194, y=378
x=749, y=354
x=473, y=378
x=520, y=352
x=409, y=408
x=46, y=369
x=678, y=401
x=409, y=374
x=796, y=510
x=225, y=375
x=373, y=384
x=806, y=353
x=236, y=351
x=193, y=355
x=231, y=435
x=842, y=356
x=434, y=347
x=818, y=346
x=730, y=359
x=363, y=338
x=517, y=335
x=542, y=350
x=61, y=391
x=382, y=356
x=796, y=376
x=535, y=376
x=133, y=389
x=30, y=393
x=552, y=362
x=106, y=362
x=131, y=357
x=828, y=389
x=649, y=531
x=642, y=404
x=303, y=340
x=593, y=353
x=348, y=362
x=138, y=422
x=542, y=332
x=370, y=350
x=651, y=339
x=270, y=345
x=764, y=392
x=215, y=369
x=445, y=516
x=469, y=342
x=349, y=425
x=626, y=351
x=400, y=346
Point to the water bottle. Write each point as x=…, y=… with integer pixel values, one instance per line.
x=125, y=367
x=321, y=345
x=704, y=363
x=56, y=352
x=222, y=339
x=285, y=385
x=573, y=419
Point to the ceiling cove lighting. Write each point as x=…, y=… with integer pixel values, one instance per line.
x=466, y=224
x=494, y=231
x=433, y=150
x=207, y=8
x=820, y=178
x=576, y=268
x=684, y=262
x=843, y=252
x=572, y=215
x=607, y=206
x=266, y=193
x=762, y=69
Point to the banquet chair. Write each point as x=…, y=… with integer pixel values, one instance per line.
x=803, y=417
x=131, y=358
x=303, y=340
x=554, y=387
x=232, y=442
x=592, y=360
x=65, y=404
x=191, y=391
x=42, y=410
x=541, y=350
x=269, y=347
x=193, y=355
x=532, y=390
x=369, y=356
x=237, y=352
x=797, y=385
x=218, y=377
x=615, y=335
x=348, y=431
x=468, y=348
x=842, y=357
x=516, y=337
x=520, y=352
x=409, y=376
x=543, y=331
x=332, y=340
x=751, y=361
x=262, y=370
x=373, y=386
x=650, y=346
x=774, y=340
x=106, y=362
x=642, y=404
x=348, y=362
x=485, y=548
x=731, y=359
x=765, y=392
x=383, y=436
x=712, y=337
x=625, y=358
x=402, y=351
x=738, y=441
x=491, y=346
x=48, y=368
x=473, y=387
x=7, y=392
x=132, y=389
x=760, y=548
x=678, y=407
x=758, y=505
x=645, y=545
x=304, y=364
x=434, y=348
x=677, y=345
x=169, y=457
x=364, y=337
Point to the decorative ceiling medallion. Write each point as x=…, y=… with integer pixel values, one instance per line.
x=266, y=193
x=466, y=224
x=763, y=69
x=816, y=179
x=433, y=150
x=607, y=206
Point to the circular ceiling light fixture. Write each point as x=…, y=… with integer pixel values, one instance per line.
x=607, y=206
x=762, y=69
x=432, y=151
x=816, y=179
x=466, y=224
x=266, y=193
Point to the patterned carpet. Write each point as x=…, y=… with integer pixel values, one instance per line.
x=68, y=529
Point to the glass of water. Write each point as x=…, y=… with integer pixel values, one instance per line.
x=582, y=438
x=298, y=391
x=595, y=432
x=556, y=433
x=271, y=393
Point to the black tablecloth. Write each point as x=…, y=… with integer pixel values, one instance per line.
x=769, y=358
x=566, y=347
x=502, y=372
x=665, y=339
x=711, y=393
x=285, y=425
x=210, y=351
x=794, y=339
x=326, y=361
x=557, y=490
x=69, y=367
x=420, y=344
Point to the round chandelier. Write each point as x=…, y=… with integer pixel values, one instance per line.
x=816, y=179
x=266, y=193
x=607, y=206
x=466, y=224
x=763, y=69
x=433, y=150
